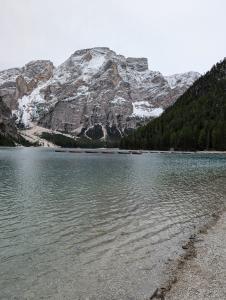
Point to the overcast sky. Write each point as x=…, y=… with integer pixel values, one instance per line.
x=175, y=35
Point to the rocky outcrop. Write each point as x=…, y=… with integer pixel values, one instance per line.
x=18, y=82
x=95, y=93
x=8, y=130
x=138, y=64
x=179, y=83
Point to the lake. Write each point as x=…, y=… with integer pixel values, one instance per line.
x=99, y=226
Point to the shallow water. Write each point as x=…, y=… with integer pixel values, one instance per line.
x=99, y=226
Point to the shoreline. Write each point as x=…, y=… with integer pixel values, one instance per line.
x=190, y=275
x=34, y=137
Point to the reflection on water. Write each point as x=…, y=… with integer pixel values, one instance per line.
x=95, y=226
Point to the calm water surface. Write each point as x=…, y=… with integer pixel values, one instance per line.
x=96, y=226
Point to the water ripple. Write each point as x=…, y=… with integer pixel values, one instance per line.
x=99, y=226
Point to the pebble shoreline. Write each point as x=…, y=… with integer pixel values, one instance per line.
x=200, y=273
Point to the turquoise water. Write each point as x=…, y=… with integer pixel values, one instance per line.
x=99, y=226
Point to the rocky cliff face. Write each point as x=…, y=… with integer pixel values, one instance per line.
x=95, y=93
x=181, y=82
x=18, y=82
x=8, y=131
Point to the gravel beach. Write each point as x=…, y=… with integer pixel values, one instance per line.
x=204, y=276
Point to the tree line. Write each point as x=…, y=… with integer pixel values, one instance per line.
x=197, y=121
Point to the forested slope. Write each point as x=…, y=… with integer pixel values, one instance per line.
x=197, y=121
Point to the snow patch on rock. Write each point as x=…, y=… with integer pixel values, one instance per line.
x=9, y=75
x=178, y=80
x=144, y=109
x=29, y=106
x=118, y=100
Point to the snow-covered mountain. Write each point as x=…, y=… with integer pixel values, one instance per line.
x=17, y=82
x=95, y=93
x=182, y=81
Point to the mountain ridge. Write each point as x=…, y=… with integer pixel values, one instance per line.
x=95, y=93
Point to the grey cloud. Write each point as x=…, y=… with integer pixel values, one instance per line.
x=175, y=36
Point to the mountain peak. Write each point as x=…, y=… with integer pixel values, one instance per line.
x=95, y=93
